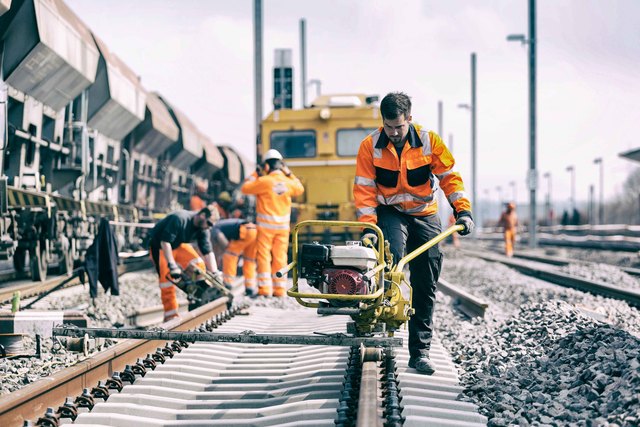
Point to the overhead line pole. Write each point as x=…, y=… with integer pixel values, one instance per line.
x=257, y=69
x=533, y=173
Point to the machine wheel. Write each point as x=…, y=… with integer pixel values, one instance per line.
x=38, y=263
x=19, y=259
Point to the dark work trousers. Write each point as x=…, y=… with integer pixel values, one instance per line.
x=406, y=233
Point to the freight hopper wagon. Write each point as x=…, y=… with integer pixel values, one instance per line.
x=320, y=144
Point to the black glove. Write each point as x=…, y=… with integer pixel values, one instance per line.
x=175, y=272
x=465, y=219
x=369, y=234
x=259, y=170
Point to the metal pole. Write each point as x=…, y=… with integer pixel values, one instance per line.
x=303, y=61
x=601, y=210
x=451, y=143
x=440, y=118
x=533, y=173
x=592, y=210
x=257, y=71
x=474, y=108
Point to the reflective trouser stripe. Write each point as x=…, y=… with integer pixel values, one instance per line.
x=185, y=255
x=271, y=253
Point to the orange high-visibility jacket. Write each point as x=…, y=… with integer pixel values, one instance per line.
x=273, y=194
x=407, y=184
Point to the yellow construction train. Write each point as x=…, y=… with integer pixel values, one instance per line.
x=320, y=144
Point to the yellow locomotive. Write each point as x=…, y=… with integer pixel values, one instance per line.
x=320, y=144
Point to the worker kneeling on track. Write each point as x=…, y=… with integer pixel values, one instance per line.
x=393, y=188
x=238, y=237
x=171, y=252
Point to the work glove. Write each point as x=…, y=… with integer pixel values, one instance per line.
x=465, y=220
x=259, y=170
x=175, y=272
x=285, y=170
x=370, y=235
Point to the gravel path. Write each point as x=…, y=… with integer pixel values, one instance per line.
x=537, y=358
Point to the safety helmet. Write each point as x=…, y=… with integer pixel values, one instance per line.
x=272, y=154
x=224, y=196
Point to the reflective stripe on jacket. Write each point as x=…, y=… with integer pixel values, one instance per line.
x=407, y=183
x=273, y=194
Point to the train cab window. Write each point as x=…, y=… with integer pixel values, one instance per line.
x=294, y=143
x=348, y=140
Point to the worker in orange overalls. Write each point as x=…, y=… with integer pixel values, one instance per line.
x=171, y=252
x=396, y=168
x=273, y=185
x=197, y=202
x=509, y=222
x=238, y=237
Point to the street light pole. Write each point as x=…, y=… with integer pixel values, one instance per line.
x=572, y=170
x=474, y=109
x=257, y=71
x=532, y=178
x=513, y=191
x=601, y=207
x=548, y=203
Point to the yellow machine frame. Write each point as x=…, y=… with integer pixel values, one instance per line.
x=386, y=305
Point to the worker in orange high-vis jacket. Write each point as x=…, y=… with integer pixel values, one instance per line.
x=394, y=186
x=171, y=252
x=238, y=237
x=273, y=185
x=509, y=222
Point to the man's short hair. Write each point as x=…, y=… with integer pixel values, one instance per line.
x=211, y=213
x=394, y=105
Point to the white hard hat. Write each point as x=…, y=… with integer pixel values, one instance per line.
x=272, y=154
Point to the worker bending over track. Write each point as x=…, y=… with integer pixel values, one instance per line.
x=273, y=185
x=171, y=252
x=238, y=237
x=393, y=188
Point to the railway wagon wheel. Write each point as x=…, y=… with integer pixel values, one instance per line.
x=38, y=262
x=68, y=248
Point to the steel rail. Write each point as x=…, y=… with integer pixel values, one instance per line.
x=28, y=288
x=469, y=304
x=542, y=272
x=33, y=400
x=560, y=261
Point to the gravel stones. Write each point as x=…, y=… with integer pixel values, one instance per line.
x=537, y=358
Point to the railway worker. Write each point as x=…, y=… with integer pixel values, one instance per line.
x=273, y=185
x=197, y=202
x=509, y=223
x=238, y=238
x=171, y=252
x=393, y=188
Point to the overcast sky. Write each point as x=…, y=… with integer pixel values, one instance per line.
x=199, y=54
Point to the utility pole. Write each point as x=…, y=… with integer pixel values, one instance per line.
x=474, y=110
x=440, y=119
x=303, y=61
x=257, y=72
x=532, y=176
x=601, y=203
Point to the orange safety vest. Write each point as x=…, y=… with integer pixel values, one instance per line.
x=406, y=183
x=273, y=194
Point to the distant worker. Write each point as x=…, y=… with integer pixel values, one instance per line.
x=509, y=223
x=171, y=252
x=273, y=185
x=197, y=202
x=393, y=188
x=223, y=203
x=238, y=237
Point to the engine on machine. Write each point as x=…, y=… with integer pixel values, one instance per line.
x=338, y=269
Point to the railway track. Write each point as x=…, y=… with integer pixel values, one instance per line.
x=561, y=261
x=29, y=288
x=211, y=383
x=550, y=274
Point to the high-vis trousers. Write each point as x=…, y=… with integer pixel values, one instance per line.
x=246, y=247
x=185, y=255
x=406, y=233
x=509, y=241
x=272, y=256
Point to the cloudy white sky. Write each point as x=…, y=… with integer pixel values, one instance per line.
x=199, y=54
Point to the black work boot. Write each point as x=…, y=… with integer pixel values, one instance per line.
x=422, y=364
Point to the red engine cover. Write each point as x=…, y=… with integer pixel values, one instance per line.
x=345, y=281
